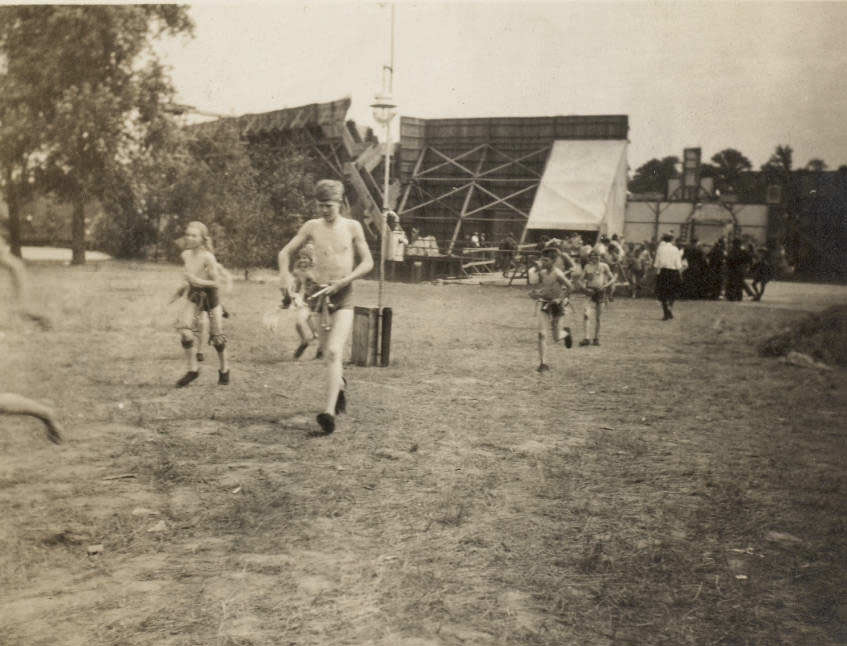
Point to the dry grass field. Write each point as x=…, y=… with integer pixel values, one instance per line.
x=668, y=487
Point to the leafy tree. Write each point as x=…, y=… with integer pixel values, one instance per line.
x=729, y=165
x=778, y=167
x=88, y=78
x=250, y=195
x=20, y=137
x=653, y=176
x=816, y=165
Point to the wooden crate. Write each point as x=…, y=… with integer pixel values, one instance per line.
x=371, y=336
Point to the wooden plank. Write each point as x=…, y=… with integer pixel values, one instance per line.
x=472, y=250
x=365, y=331
x=452, y=160
x=517, y=161
x=502, y=200
x=370, y=158
x=466, y=202
x=437, y=199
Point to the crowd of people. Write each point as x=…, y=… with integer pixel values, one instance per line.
x=721, y=270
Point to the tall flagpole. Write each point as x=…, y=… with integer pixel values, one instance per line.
x=384, y=112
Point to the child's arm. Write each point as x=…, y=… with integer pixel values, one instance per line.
x=611, y=277
x=560, y=276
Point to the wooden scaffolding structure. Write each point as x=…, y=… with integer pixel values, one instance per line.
x=482, y=174
x=335, y=146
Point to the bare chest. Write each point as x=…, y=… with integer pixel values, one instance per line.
x=196, y=265
x=332, y=242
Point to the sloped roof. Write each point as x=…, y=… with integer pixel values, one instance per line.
x=326, y=115
x=582, y=187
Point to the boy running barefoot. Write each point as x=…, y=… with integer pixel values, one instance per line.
x=595, y=280
x=551, y=295
x=341, y=256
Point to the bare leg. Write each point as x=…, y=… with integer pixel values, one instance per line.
x=304, y=329
x=12, y=404
x=542, y=323
x=216, y=329
x=191, y=359
x=202, y=333
x=597, y=311
x=556, y=328
x=187, y=321
x=341, y=326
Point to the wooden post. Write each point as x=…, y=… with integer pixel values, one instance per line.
x=385, y=337
x=365, y=333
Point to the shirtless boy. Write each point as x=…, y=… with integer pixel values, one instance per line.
x=550, y=292
x=341, y=256
x=595, y=280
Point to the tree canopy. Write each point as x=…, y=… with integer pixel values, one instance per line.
x=729, y=165
x=653, y=176
x=81, y=94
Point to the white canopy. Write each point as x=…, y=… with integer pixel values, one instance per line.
x=583, y=187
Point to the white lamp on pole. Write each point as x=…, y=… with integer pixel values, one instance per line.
x=384, y=111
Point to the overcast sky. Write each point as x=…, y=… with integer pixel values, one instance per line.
x=747, y=75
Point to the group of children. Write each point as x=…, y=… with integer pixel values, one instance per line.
x=551, y=290
x=329, y=253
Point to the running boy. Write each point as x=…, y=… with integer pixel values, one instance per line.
x=596, y=278
x=551, y=295
x=204, y=277
x=341, y=256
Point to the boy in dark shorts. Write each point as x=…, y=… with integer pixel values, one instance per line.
x=341, y=256
x=595, y=279
x=550, y=291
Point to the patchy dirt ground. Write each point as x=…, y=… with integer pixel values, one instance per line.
x=667, y=487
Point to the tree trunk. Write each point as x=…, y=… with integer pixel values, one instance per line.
x=78, y=230
x=14, y=214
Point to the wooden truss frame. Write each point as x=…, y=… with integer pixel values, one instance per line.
x=485, y=181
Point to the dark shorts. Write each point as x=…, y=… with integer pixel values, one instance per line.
x=553, y=308
x=340, y=300
x=205, y=298
x=597, y=296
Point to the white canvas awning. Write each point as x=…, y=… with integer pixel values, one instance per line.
x=583, y=187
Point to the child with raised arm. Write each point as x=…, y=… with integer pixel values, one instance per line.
x=551, y=295
x=596, y=278
x=11, y=403
x=204, y=276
